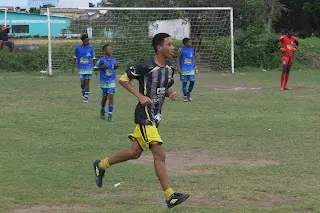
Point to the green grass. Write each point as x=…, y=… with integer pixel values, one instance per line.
x=49, y=140
x=312, y=44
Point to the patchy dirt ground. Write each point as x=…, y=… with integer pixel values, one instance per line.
x=232, y=88
x=186, y=162
x=53, y=208
x=313, y=60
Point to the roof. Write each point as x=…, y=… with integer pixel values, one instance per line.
x=65, y=10
x=34, y=14
x=9, y=8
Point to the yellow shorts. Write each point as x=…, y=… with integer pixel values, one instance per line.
x=145, y=135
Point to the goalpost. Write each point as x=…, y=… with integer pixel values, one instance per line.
x=5, y=19
x=130, y=30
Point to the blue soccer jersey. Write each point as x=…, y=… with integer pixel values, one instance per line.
x=187, y=64
x=108, y=75
x=84, y=56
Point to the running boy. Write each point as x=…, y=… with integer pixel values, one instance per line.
x=107, y=66
x=84, y=55
x=186, y=68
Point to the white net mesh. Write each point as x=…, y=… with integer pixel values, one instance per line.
x=130, y=33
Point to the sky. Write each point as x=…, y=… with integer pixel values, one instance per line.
x=24, y=3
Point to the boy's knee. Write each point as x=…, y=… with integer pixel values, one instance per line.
x=135, y=154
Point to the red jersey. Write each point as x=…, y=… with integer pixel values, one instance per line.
x=288, y=44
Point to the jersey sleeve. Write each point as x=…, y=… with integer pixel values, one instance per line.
x=137, y=71
x=171, y=79
x=98, y=64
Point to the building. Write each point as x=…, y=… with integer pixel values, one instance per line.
x=27, y=4
x=25, y=24
x=73, y=3
x=71, y=13
x=10, y=9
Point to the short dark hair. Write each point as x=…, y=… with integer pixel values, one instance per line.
x=158, y=40
x=105, y=46
x=84, y=37
x=185, y=40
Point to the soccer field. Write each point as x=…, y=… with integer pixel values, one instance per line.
x=240, y=146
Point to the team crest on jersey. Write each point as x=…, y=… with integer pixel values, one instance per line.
x=109, y=73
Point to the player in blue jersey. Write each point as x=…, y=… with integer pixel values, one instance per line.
x=186, y=68
x=107, y=66
x=85, y=56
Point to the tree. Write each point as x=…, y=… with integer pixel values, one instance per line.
x=34, y=10
x=273, y=10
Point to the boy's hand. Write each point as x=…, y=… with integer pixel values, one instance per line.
x=116, y=65
x=282, y=49
x=144, y=100
x=173, y=95
x=105, y=65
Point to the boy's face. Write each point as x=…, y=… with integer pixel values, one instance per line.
x=108, y=51
x=86, y=42
x=189, y=44
x=167, y=48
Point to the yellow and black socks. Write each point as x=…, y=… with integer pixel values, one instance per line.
x=168, y=193
x=104, y=164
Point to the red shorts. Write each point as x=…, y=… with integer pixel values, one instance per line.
x=287, y=60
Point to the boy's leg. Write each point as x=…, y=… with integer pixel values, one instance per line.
x=159, y=158
x=110, y=108
x=286, y=78
x=103, y=105
x=285, y=61
x=86, y=87
x=184, y=87
x=82, y=79
x=191, y=85
x=172, y=198
x=99, y=166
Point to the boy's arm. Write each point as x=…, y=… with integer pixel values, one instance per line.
x=116, y=64
x=94, y=60
x=171, y=94
x=125, y=81
x=178, y=62
x=74, y=60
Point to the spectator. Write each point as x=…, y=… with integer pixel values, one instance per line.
x=4, y=38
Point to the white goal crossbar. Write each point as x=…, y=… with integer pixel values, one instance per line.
x=149, y=9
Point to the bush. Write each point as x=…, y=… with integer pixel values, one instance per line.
x=24, y=61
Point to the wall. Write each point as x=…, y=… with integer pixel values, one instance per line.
x=177, y=28
x=37, y=23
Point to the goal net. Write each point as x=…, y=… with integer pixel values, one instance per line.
x=130, y=30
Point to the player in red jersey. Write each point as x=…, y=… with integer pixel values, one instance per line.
x=288, y=47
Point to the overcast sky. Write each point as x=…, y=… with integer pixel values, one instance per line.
x=24, y=3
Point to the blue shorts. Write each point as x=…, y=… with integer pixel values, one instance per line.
x=85, y=77
x=186, y=78
x=106, y=91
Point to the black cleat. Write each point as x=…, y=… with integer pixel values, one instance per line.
x=189, y=96
x=98, y=173
x=103, y=114
x=176, y=199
